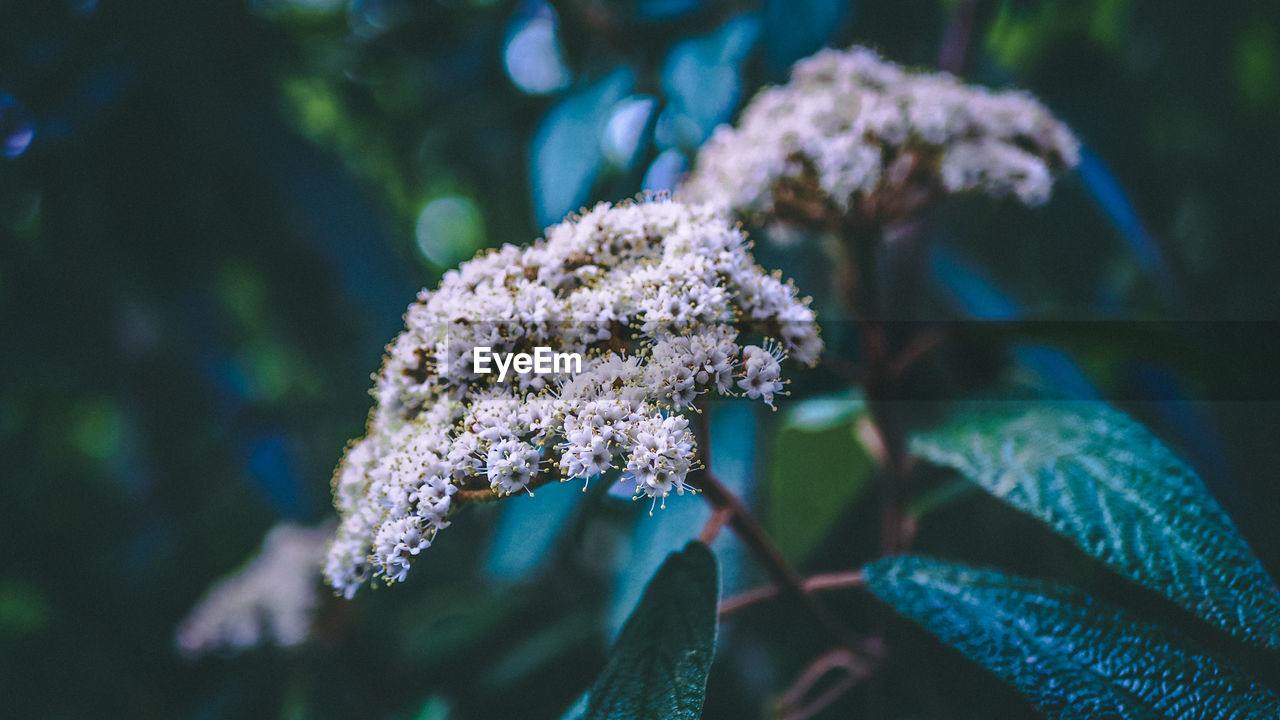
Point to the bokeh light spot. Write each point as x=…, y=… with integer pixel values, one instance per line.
x=22, y=609
x=624, y=133
x=16, y=128
x=532, y=55
x=665, y=171
x=450, y=229
x=96, y=429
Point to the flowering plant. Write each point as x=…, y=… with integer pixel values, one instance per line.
x=662, y=301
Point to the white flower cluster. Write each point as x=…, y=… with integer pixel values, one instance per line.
x=271, y=598
x=853, y=123
x=654, y=296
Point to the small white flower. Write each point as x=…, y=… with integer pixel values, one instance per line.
x=761, y=374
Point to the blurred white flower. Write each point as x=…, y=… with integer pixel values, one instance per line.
x=269, y=600
x=854, y=136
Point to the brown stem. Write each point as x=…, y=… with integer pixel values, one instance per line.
x=823, y=701
x=753, y=536
x=485, y=495
x=856, y=669
x=828, y=581
x=864, y=243
x=885, y=416
x=920, y=346
x=711, y=530
x=955, y=41
x=739, y=517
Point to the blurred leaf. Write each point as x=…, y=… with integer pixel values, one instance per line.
x=665, y=171
x=1116, y=203
x=1074, y=657
x=658, y=667
x=527, y=531
x=798, y=28
x=451, y=618
x=818, y=468
x=824, y=411
x=532, y=55
x=565, y=153
x=977, y=297
x=578, y=710
x=436, y=708
x=700, y=78
x=625, y=132
x=1112, y=488
x=530, y=654
x=940, y=497
x=665, y=9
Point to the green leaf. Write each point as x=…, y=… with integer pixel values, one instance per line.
x=1111, y=487
x=1075, y=657
x=701, y=79
x=818, y=467
x=658, y=667
x=824, y=411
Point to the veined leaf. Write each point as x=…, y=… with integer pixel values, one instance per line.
x=658, y=667
x=1106, y=483
x=1075, y=657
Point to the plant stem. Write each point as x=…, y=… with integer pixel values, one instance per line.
x=955, y=41
x=828, y=581
x=865, y=301
x=711, y=530
x=788, y=581
x=856, y=669
x=739, y=517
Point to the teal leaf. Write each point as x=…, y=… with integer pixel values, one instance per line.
x=527, y=533
x=700, y=77
x=1074, y=657
x=1107, y=484
x=664, y=173
x=818, y=467
x=625, y=133
x=824, y=411
x=565, y=155
x=578, y=710
x=658, y=667
x=797, y=29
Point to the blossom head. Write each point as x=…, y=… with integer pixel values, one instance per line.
x=271, y=599
x=852, y=136
x=656, y=299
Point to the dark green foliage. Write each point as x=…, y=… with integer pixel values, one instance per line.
x=1111, y=487
x=217, y=227
x=1075, y=657
x=658, y=667
x=818, y=468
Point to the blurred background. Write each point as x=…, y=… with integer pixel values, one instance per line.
x=212, y=215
